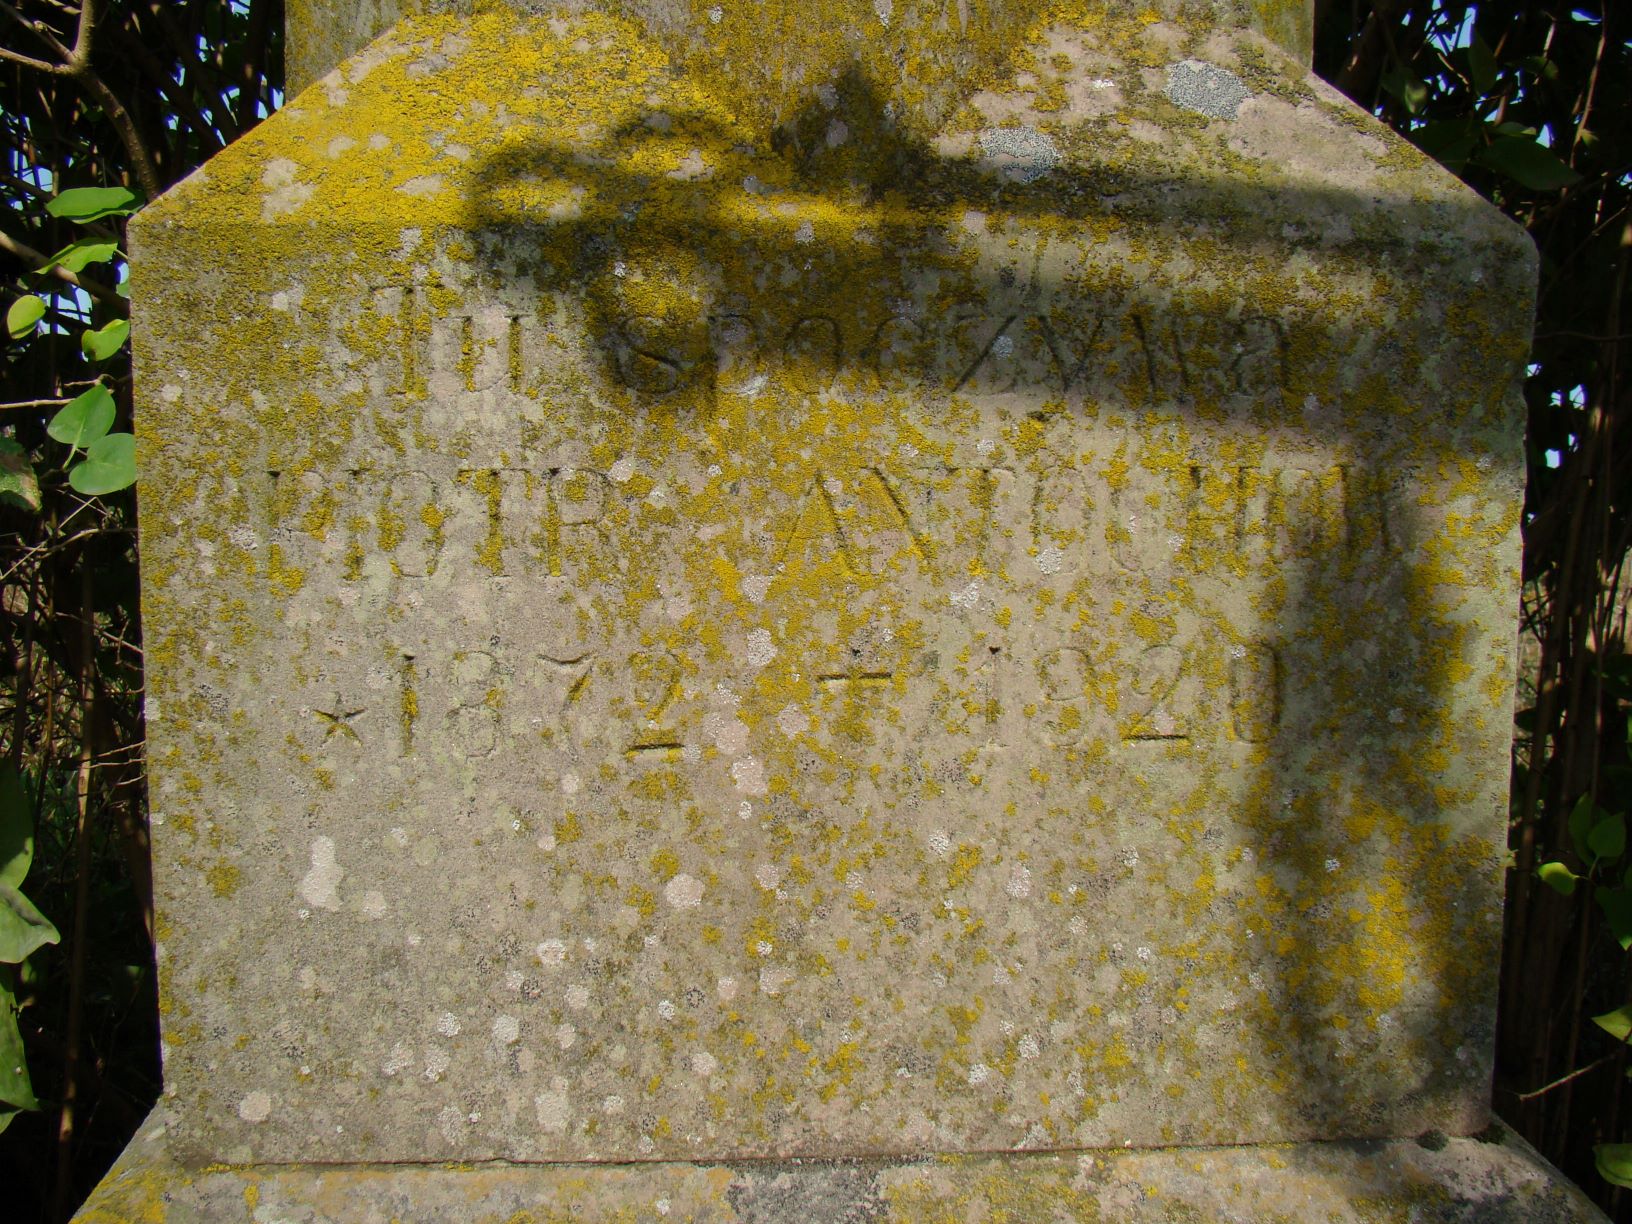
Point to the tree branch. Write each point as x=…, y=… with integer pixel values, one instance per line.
x=76, y=63
x=28, y=61
x=40, y=31
x=1358, y=79
x=141, y=160
x=174, y=93
x=81, y=54
x=252, y=77
x=29, y=255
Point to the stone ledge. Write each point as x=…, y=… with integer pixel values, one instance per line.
x=1491, y=1179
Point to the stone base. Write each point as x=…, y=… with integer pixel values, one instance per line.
x=1493, y=1178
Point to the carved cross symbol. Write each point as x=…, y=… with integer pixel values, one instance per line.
x=855, y=681
x=858, y=677
x=856, y=674
x=853, y=685
x=337, y=720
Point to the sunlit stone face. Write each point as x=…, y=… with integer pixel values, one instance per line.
x=678, y=648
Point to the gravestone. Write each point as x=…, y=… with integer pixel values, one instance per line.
x=852, y=610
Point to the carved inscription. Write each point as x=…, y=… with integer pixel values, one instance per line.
x=941, y=518
x=976, y=351
x=1149, y=521
x=1133, y=352
x=1123, y=673
x=656, y=682
x=1154, y=695
x=639, y=699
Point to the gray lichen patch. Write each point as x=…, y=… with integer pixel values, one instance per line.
x=1022, y=154
x=1206, y=89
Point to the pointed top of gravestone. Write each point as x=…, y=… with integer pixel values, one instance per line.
x=768, y=47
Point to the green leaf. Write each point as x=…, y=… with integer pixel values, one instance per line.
x=1614, y=1162
x=1617, y=906
x=1618, y=1023
x=24, y=315
x=1557, y=877
x=1608, y=837
x=83, y=419
x=19, y=486
x=1581, y=822
x=109, y=465
x=1448, y=141
x=16, y=1093
x=89, y=203
x=22, y=927
x=1481, y=65
x=1541, y=66
x=1406, y=86
x=76, y=255
x=16, y=827
x=104, y=342
x=1527, y=163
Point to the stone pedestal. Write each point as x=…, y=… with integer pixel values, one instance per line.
x=828, y=610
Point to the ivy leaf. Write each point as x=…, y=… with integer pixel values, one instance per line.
x=1607, y=840
x=16, y=828
x=1406, y=86
x=104, y=342
x=1448, y=141
x=77, y=255
x=22, y=927
x=24, y=315
x=1557, y=877
x=83, y=419
x=19, y=486
x=109, y=465
x=1543, y=67
x=1618, y=1023
x=1617, y=906
x=89, y=203
x=1527, y=163
x=1481, y=65
x=1614, y=1162
x=16, y=1093
x=1581, y=822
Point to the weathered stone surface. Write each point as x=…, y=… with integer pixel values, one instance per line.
x=947, y=625
x=322, y=33
x=1494, y=1179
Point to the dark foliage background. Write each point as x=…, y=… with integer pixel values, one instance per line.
x=1471, y=83
x=135, y=93
x=1529, y=102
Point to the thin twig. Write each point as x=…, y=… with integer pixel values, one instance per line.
x=29, y=255
x=1572, y=1076
x=76, y=64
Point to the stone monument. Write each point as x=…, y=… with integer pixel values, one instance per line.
x=772, y=610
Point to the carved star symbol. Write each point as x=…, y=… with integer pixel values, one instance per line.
x=337, y=720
